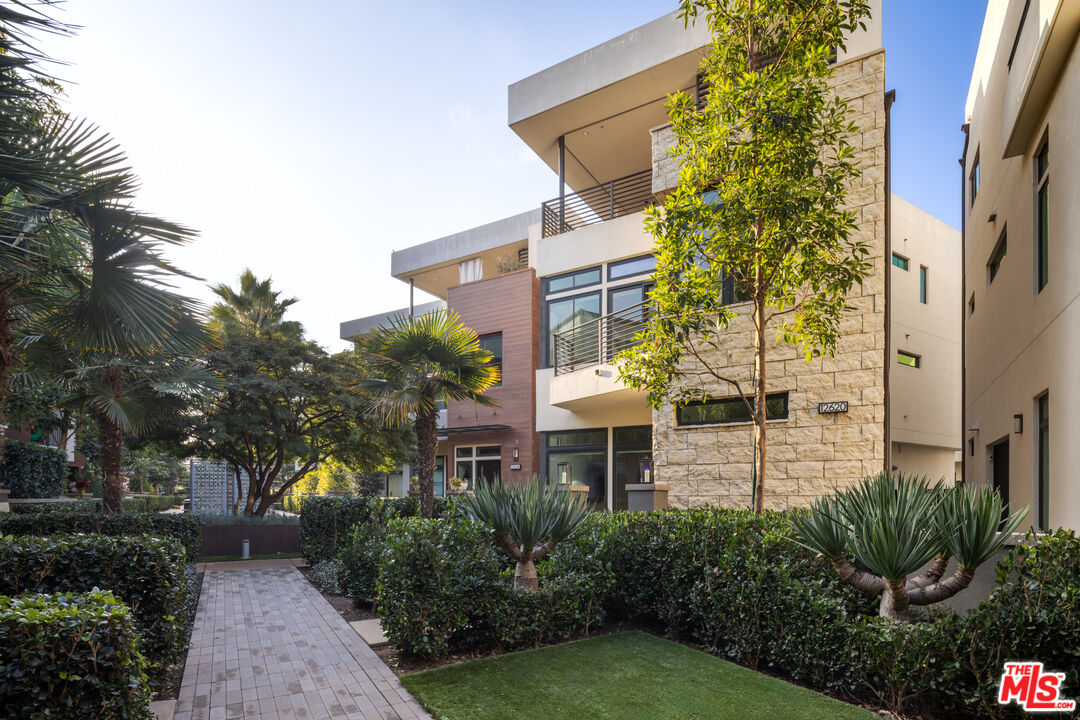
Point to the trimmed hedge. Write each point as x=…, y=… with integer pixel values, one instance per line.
x=71, y=656
x=146, y=572
x=444, y=587
x=138, y=504
x=739, y=586
x=181, y=527
x=30, y=470
x=327, y=523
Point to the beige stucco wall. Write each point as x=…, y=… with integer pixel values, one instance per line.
x=809, y=454
x=1021, y=343
x=924, y=407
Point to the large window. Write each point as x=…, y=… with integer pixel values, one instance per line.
x=631, y=267
x=730, y=410
x=1044, y=462
x=573, y=280
x=571, y=312
x=579, y=457
x=1042, y=216
x=993, y=266
x=478, y=462
x=493, y=344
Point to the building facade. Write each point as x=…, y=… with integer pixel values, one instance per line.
x=1022, y=260
x=598, y=120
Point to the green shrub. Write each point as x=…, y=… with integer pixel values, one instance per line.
x=146, y=572
x=71, y=656
x=324, y=576
x=182, y=527
x=30, y=470
x=358, y=571
x=443, y=586
x=34, y=508
x=151, y=503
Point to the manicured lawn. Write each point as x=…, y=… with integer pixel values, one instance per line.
x=625, y=676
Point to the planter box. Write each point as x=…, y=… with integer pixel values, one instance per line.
x=265, y=539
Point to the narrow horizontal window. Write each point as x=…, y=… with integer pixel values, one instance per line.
x=909, y=359
x=730, y=410
x=631, y=267
x=572, y=280
x=900, y=261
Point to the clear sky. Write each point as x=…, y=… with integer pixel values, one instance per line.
x=307, y=140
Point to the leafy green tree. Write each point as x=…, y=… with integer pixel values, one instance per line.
x=415, y=363
x=892, y=525
x=255, y=309
x=759, y=213
x=153, y=469
x=284, y=407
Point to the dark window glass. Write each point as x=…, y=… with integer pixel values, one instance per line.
x=971, y=304
x=924, y=272
x=571, y=438
x=909, y=359
x=632, y=460
x=900, y=261
x=973, y=180
x=997, y=257
x=440, y=404
x=464, y=452
x=633, y=266
x=488, y=451
x=633, y=436
x=493, y=344
x=576, y=279
x=730, y=410
x=1042, y=215
x=1044, y=462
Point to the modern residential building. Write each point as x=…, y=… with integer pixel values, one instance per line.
x=561, y=290
x=1022, y=260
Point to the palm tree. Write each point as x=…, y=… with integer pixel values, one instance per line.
x=416, y=363
x=255, y=309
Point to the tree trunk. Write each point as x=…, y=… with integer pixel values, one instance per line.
x=111, y=437
x=426, y=429
x=7, y=362
x=760, y=411
x=942, y=590
x=525, y=575
x=894, y=601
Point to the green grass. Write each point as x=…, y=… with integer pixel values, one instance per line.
x=625, y=676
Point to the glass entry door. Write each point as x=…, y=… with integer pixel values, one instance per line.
x=633, y=450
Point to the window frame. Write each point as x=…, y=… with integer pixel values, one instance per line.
x=1041, y=167
x=545, y=321
x=734, y=399
x=1042, y=459
x=997, y=256
x=496, y=360
x=626, y=261
x=974, y=180
x=599, y=280
x=904, y=262
x=924, y=284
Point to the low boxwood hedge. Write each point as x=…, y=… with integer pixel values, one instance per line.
x=146, y=572
x=71, y=656
x=57, y=521
x=327, y=523
x=739, y=586
x=30, y=470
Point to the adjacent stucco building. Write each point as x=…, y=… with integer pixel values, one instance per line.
x=1021, y=265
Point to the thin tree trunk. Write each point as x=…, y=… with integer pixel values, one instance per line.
x=760, y=411
x=426, y=429
x=895, y=604
x=7, y=361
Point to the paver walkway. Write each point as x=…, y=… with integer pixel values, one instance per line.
x=266, y=644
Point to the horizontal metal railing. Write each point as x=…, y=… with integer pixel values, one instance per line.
x=607, y=201
x=598, y=341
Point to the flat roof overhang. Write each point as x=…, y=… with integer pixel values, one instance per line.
x=433, y=265
x=351, y=329
x=605, y=100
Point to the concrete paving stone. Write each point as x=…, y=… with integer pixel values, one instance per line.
x=266, y=644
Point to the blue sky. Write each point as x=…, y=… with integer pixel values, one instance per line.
x=307, y=140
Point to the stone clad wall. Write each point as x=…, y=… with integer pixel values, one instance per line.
x=808, y=454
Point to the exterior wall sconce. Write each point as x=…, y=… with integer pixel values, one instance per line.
x=515, y=451
x=1018, y=423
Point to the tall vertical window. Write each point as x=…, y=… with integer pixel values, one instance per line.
x=993, y=265
x=924, y=280
x=973, y=180
x=493, y=344
x=1042, y=216
x=1044, y=462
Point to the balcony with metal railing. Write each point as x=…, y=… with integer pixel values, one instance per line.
x=622, y=196
x=598, y=341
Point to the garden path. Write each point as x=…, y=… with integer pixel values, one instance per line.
x=267, y=645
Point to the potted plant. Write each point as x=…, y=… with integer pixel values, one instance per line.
x=414, y=486
x=457, y=485
x=81, y=486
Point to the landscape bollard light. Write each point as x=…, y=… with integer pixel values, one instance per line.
x=245, y=549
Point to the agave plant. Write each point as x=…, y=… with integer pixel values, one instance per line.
x=895, y=524
x=529, y=520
